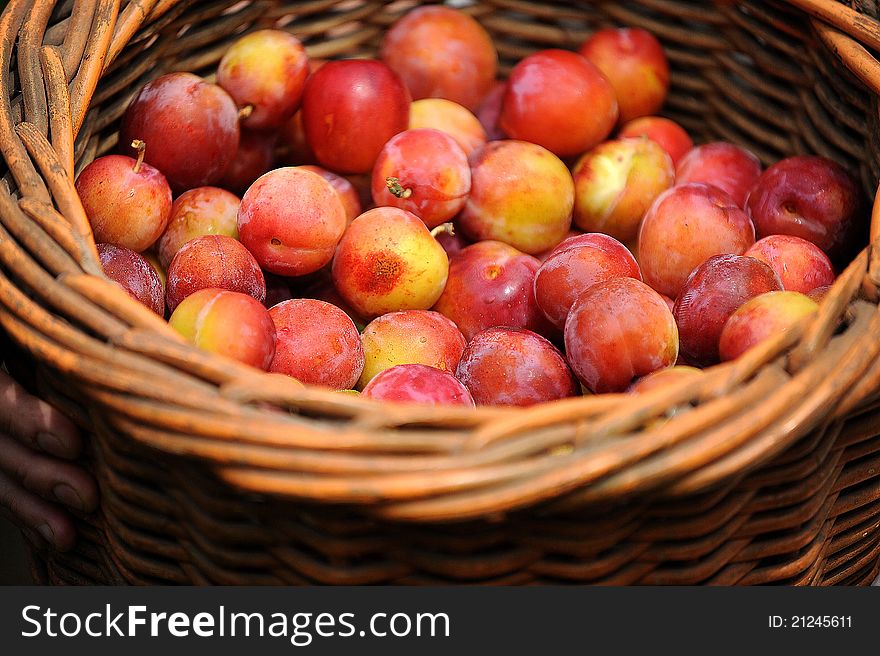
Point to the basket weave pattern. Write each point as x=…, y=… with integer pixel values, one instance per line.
x=764, y=470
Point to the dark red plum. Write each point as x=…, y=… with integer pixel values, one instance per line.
x=514, y=367
x=134, y=274
x=190, y=128
x=812, y=198
x=714, y=291
x=255, y=156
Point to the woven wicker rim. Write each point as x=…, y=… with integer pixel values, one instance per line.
x=401, y=462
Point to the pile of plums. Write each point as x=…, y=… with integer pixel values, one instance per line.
x=416, y=229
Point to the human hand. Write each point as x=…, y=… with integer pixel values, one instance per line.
x=39, y=485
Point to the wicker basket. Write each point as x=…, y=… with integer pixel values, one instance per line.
x=764, y=470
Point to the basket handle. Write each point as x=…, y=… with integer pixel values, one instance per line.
x=853, y=55
x=875, y=218
x=862, y=28
x=843, y=30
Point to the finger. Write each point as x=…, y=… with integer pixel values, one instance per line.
x=35, y=422
x=31, y=512
x=52, y=479
x=33, y=538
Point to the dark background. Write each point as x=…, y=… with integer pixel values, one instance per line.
x=13, y=563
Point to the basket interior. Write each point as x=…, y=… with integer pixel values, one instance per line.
x=747, y=72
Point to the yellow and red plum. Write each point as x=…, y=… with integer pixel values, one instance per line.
x=616, y=183
x=521, y=194
x=195, y=213
x=761, y=318
x=227, y=323
x=389, y=261
x=455, y=120
x=410, y=337
x=266, y=72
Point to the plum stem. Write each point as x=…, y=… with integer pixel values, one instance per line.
x=444, y=227
x=245, y=111
x=141, y=148
x=396, y=188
